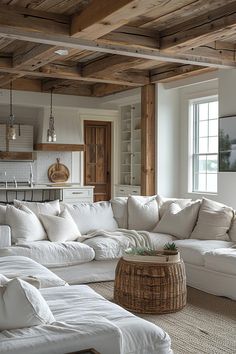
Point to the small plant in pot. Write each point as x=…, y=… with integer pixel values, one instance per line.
x=170, y=249
x=141, y=251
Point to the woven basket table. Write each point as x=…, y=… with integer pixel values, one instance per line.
x=149, y=287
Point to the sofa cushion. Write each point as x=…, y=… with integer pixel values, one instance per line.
x=3, y=280
x=29, y=310
x=50, y=208
x=143, y=213
x=92, y=216
x=214, y=221
x=3, y=210
x=158, y=240
x=25, y=225
x=60, y=228
x=120, y=210
x=163, y=203
x=55, y=254
x=23, y=267
x=193, y=251
x=221, y=260
x=178, y=222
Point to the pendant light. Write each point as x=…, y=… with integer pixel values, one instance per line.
x=51, y=134
x=11, y=130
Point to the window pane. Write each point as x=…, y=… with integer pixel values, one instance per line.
x=203, y=111
x=213, y=144
x=202, y=182
x=212, y=182
x=203, y=128
x=203, y=145
x=213, y=127
x=202, y=164
x=212, y=164
x=213, y=110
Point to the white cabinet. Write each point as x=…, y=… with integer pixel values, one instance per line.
x=24, y=138
x=125, y=190
x=130, y=150
x=83, y=194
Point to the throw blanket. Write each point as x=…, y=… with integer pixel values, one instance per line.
x=112, y=244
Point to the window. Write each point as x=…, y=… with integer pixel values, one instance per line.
x=204, y=116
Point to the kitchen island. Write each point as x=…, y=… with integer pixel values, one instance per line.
x=66, y=192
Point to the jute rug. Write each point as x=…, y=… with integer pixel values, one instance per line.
x=206, y=325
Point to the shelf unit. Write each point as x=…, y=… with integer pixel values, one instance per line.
x=130, y=148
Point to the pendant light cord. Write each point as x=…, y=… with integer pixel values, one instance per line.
x=51, y=101
x=11, y=98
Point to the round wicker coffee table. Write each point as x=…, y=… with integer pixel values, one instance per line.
x=150, y=287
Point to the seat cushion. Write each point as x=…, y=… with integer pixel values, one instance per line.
x=193, y=251
x=158, y=240
x=221, y=260
x=54, y=254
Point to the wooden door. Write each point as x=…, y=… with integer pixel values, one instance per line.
x=97, y=161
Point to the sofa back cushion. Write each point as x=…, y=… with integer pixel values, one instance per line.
x=143, y=213
x=178, y=222
x=3, y=210
x=22, y=305
x=120, y=211
x=50, y=208
x=164, y=203
x=60, y=228
x=92, y=216
x=25, y=225
x=214, y=221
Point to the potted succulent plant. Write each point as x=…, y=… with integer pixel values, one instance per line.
x=170, y=249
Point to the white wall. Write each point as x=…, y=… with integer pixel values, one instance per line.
x=167, y=125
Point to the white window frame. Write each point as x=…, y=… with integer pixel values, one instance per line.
x=191, y=143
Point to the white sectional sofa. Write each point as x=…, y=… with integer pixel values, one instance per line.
x=204, y=231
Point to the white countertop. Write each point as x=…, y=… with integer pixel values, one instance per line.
x=45, y=186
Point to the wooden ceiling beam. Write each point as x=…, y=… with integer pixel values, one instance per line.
x=103, y=16
x=173, y=72
x=200, y=30
x=67, y=87
x=63, y=71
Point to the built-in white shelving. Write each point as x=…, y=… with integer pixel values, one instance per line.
x=130, y=150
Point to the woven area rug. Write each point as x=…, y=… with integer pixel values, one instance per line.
x=206, y=325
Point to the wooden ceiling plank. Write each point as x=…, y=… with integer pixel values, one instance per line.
x=200, y=30
x=109, y=64
x=101, y=90
x=172, y=72
x=103, y=16
x=133, y=36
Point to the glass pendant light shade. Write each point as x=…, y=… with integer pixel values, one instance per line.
x=11, y=130
x=51, y=133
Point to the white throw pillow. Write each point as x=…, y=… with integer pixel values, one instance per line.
x=25, y=226
x=92, y=216
x=214, y=221
x=164, y=203
x=232, y=230
x=143, y=213
x=22, y=305
x=50, y=208
x=3, y=209
x=60, y=228
x=120, y=210
x=178, y=222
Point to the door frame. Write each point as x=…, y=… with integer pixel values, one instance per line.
x=106, y=116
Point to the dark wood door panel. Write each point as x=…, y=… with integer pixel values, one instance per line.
x=97, y=165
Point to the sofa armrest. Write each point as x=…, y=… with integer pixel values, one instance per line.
x=5, y=236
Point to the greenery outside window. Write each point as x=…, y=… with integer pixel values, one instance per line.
x=204, y=116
